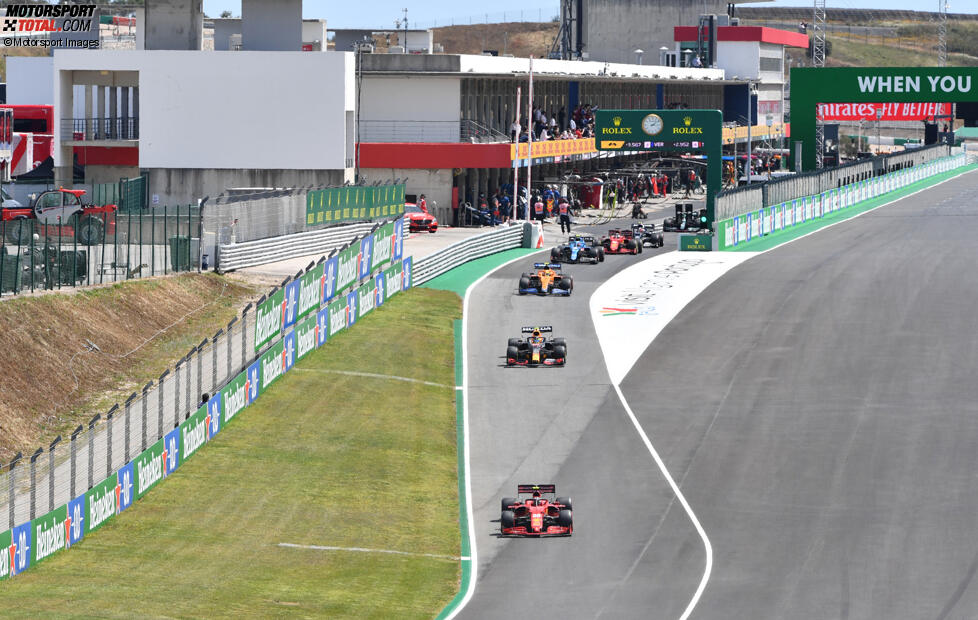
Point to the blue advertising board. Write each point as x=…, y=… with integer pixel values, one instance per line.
x=125, y=481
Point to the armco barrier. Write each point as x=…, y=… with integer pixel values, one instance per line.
x=240, y=255
x=448, y=258
x=750, y=226
x=74, y=490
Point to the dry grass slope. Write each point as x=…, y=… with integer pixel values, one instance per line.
x=51, y=382
x=520, y=39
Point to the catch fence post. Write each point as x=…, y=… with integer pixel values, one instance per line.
x=91, y=449
x=34, y=481
x=12, y=497
x=51, y=449
x=108, y=443
x=159, y=424
x=142, y=445
x=74, y=459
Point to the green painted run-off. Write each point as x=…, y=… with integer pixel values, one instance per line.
x=461, y=277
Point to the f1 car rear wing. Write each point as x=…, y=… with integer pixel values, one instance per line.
x=555, y=266
x=536, y=488
x=541, y=329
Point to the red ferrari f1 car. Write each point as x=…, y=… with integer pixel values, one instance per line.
x=621, y=242
x=536, y=515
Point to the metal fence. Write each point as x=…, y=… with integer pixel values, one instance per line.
x=32, y=485
x=240, y=255
x=97, y=248
x=114, y=128
x=447, y=258
x=743, y=200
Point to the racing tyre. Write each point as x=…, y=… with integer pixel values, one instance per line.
x=513, y=342
x=506, y=503
x=565, y=518
x=600, y=255
x=566, y=284
x=512, y=353
x=91, y=231
x=560, y=342
x=524, y=284
x=566, y=501
x=566, y=255
x=638, y=249
x=507, y=519
x=658, y=239
x=18, y=232
x=560, y=352
x=554, y=255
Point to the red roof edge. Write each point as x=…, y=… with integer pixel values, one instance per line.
x=759, y=34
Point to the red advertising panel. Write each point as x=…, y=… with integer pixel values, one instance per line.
x=891, y=111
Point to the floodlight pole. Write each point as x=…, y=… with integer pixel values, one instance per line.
x=879, y=117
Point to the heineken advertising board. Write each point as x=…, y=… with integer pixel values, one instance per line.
x=269, y=316
x=813, y=86
x=678, y=131
x=347, y=204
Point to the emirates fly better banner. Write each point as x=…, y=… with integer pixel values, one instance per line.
x=891, y=111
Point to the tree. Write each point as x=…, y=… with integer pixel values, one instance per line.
x=225, y=14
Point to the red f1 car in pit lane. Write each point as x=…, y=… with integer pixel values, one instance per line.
x=536, y=515
x=621, y=242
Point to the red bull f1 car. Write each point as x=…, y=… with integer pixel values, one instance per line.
x=536, y=349
x=546, y=280
x=536, y=511
x=621, y=242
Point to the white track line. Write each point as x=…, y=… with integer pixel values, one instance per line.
x=371, y=375
x=682, y=500
x=470, y=517
x=365, y=550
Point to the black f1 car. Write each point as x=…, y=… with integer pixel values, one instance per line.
x=536, y=349
x=533, y=514
x=578, y=249
x=686, y=220
x=547, y=279
x=647, y=234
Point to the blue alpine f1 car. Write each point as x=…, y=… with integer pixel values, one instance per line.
x=578, y=249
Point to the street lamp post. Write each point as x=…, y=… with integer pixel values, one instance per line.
x=750, y=121
x=879, y=117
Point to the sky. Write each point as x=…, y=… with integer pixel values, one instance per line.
x=382, y=13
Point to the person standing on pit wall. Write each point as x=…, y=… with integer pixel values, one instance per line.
x=564, y=210
x=423, y=203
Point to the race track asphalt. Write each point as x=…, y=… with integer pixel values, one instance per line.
x=818, y=406
x=567, y=426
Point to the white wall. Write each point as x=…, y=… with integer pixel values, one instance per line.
x=739, y=58
x=261, y=110
x=314, y=30
x=30, y=80
x=410, y=98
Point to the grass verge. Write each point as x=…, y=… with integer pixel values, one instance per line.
x=320, y=459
